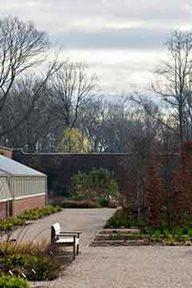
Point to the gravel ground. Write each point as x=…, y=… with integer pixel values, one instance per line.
x=118, y=267
x=128, y=267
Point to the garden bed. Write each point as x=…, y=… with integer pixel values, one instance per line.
x=32, y=261
x=135, y=237
x=13, y=282
x=122, y=230
x=13, y=223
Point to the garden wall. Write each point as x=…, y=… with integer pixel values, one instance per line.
x=131, y=171
x=60, y=167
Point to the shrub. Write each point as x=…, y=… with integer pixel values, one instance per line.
x=154, y=192
x=104, y=201
x=156, y=235
x=34, y=267
x=31, y=258
x=80, y=204
x=121, y=218
x=26, y=248
x=94, y=184
x=32, y=214
x=13, y=282
x=182, y=185
x=112, y=204
x=46, y=268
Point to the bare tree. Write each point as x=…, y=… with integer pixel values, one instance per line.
x=173, y=86
x=22, y=48
x=174, y=78
x=37, y=131
x=72, y=88
x=117, y=127
x=92, y=123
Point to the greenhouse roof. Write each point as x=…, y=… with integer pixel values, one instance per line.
x=14, y=168
x=2, y=173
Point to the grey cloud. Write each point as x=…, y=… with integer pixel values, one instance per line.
x=141, y=38
x=122, y=8
x=66, y=11
x=61, y=17
x=164, y=10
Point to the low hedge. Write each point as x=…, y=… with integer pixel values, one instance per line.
x=33, y=260
x=35, y=268
x=32, y=214
x=79, y=204
x=13, y=282
x=122, y=219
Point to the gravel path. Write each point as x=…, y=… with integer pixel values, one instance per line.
x=118, y=267
x=129, y=267
x=88, y=221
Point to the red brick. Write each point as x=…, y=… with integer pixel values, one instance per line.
x=29, y=203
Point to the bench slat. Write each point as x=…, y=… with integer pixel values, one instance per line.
x=65, y=238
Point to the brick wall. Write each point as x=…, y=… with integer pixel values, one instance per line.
x=21, y=205
x=6, y=152
x=60, y=167
x=2, y=210
x=5, y=209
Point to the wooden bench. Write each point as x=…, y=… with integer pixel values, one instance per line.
x=60, y=238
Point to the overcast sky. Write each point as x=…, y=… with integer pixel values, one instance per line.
x=121, y=40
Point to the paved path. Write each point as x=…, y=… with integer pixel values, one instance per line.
x=115, y=267
x=88, y=221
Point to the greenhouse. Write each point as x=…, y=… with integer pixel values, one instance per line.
x=21, y=187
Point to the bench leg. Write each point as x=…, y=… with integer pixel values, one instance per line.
x=53, y=248
x=78, y=249
x=74, y=246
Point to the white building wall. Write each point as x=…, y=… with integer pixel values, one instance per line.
x=22, y=187
x=5, y=194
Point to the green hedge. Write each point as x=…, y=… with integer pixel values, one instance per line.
x=36, y=268
x=13, y=282
x=32, y=214
x=94, y=184
x=122, y=219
